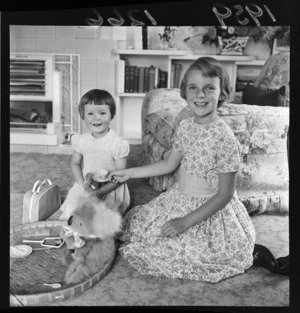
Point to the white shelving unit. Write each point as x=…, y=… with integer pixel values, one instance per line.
x=230, y=63
x=129, y=104
x=60, y=78
x=247, y=72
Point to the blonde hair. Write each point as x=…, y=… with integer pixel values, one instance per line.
x=209, y=67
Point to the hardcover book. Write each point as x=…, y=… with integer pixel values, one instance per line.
x=172, y=76
x=156, y=77
x=131, y=78
x=120, y=76
x=141, y=79
x=151, y=77
x=136, y=80
x=146, y=81
x=166, y=79
x=177, y=72
x=127, y=78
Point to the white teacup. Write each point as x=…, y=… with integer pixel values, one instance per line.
x=99, y=177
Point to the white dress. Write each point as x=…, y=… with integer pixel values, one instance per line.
x=98, y=153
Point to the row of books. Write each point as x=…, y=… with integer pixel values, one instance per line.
x=141, y=79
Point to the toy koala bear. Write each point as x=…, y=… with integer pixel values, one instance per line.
x=90, y=238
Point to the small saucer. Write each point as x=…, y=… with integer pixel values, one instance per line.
x=20, y=251
x=103, y=180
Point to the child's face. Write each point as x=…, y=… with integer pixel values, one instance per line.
x=202, y=95
x=97, y=119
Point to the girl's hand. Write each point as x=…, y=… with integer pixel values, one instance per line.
x=120, y=176
x=88, y=188
x=174, y=227
x=62, y=137
x=89, y=177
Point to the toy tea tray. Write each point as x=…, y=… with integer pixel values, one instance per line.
x=28, y=274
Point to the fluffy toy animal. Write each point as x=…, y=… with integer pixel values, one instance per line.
x=90, y=238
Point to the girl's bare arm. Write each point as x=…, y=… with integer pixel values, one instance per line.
x=76, y=167
x=227, y=182
x=159, y=168
x=120, y=164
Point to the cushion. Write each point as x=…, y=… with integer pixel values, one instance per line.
x=275, y=73
x=258, y=96
x=166, y=100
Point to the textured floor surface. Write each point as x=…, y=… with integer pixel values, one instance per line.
x=123, y=285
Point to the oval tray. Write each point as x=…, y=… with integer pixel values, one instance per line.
x=28, y=274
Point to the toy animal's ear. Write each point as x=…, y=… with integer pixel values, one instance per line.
x=82, y=219
x=69, y=222
x=106, y=222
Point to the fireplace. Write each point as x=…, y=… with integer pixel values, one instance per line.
x=43, y=89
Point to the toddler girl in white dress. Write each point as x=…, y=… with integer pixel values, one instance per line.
x=100, y=148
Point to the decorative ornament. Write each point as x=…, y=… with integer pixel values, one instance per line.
x=166, y=38
x=145, y=37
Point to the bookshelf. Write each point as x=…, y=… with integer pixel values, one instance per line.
x=230, y=62
x=247, y=73
x=149, y=52
x=129, y=104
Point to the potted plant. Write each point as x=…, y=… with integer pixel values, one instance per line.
x=264, y=40
x=234, y=39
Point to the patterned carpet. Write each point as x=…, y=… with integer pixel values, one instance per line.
x=123, y=286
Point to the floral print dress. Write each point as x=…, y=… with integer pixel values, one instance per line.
x=218, y=247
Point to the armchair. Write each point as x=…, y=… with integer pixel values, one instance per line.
x=263, y=180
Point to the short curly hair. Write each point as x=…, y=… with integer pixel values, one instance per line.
x=97, y=97
x=209, y=67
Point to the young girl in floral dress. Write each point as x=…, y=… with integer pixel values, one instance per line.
x=100, y=148
x=198, y=229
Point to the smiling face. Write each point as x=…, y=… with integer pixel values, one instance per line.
x=97, y=119
x=202, y=96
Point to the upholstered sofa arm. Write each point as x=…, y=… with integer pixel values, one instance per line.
x=159, y=112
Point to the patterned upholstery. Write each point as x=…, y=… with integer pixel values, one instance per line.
x=274, y=74
x=262, y=182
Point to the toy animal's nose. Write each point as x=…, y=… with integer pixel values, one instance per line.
x=70, y=220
